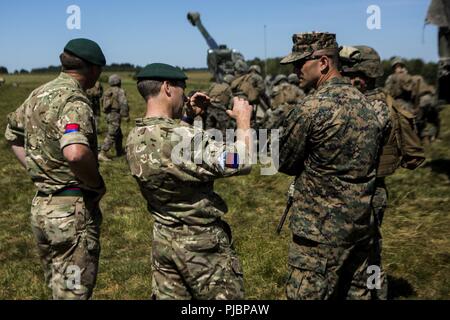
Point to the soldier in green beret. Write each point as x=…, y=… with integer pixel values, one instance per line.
x=175, y=166
x=53, y=135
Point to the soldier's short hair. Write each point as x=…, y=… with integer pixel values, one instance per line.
x=71, y=62
x=149, y=88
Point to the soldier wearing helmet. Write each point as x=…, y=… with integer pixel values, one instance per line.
x=362, y=65
x=215, y=115
x=115, y=106
x=284, y=92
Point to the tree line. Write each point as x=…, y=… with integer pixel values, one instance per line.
x=273, y=67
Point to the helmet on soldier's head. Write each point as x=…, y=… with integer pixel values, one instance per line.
x=293, y=79
x=362, y=59
x=240, y=67
x=114, y=80
x=229, y=78
x=279, y=78
x=397, y=60
x=255, y=68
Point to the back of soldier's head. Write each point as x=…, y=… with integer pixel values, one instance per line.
x=114, y=80
x=361, y=60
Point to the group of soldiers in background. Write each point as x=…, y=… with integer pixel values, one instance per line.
x=274, y=96
x=416, y=96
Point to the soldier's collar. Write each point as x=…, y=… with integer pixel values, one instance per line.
x=67, y=77
x=141, y=122
x=335, y=81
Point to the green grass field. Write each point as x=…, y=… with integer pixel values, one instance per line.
x=416, y=227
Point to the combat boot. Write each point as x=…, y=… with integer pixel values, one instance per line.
x=103, y=157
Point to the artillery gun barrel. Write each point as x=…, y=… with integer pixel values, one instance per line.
x=194, y=19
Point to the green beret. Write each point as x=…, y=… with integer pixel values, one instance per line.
x=87, y=50
x=161, y=71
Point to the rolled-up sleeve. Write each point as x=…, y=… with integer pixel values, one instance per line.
x=15, y=128
x=296, y=128
x=75, y=124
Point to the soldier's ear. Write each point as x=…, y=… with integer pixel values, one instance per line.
x=166, y=88
x=324, y=64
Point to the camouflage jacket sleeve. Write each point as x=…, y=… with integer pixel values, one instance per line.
x=75, y=124
x=296, y=129
x=15, y=129
x=123, y=103
x=197, y=153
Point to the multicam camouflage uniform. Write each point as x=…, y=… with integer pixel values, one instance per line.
x=192, y=255
x=94, y=95
x=115, y=106
x=64, y=218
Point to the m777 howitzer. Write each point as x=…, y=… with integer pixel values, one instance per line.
x=220, y=59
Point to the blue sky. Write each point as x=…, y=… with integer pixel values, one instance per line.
x=33, y=33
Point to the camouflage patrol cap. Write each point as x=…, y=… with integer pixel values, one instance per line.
x=114, y=80
x=362, y=59
x=87, y=50
x=311, y=44
x=161, y=71
x=397, y=60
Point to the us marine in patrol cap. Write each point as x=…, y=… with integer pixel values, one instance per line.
x=192, y=254
x=53, y=135
x=330, y=144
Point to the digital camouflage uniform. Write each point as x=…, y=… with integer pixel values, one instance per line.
x=330, y=144
x=64, y=219
x=192, y=253
x=115, y=107
x=94, y=95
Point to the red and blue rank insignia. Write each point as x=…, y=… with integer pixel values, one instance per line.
x=231, y=160
x=72, y=127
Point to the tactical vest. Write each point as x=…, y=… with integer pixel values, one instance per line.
x=403, y=146
x=220, y=93
x=244, y=86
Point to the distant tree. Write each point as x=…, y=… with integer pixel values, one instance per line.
x=23, y=71
x=3, y=70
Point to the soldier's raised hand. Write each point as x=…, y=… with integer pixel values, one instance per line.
x=242, y=112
